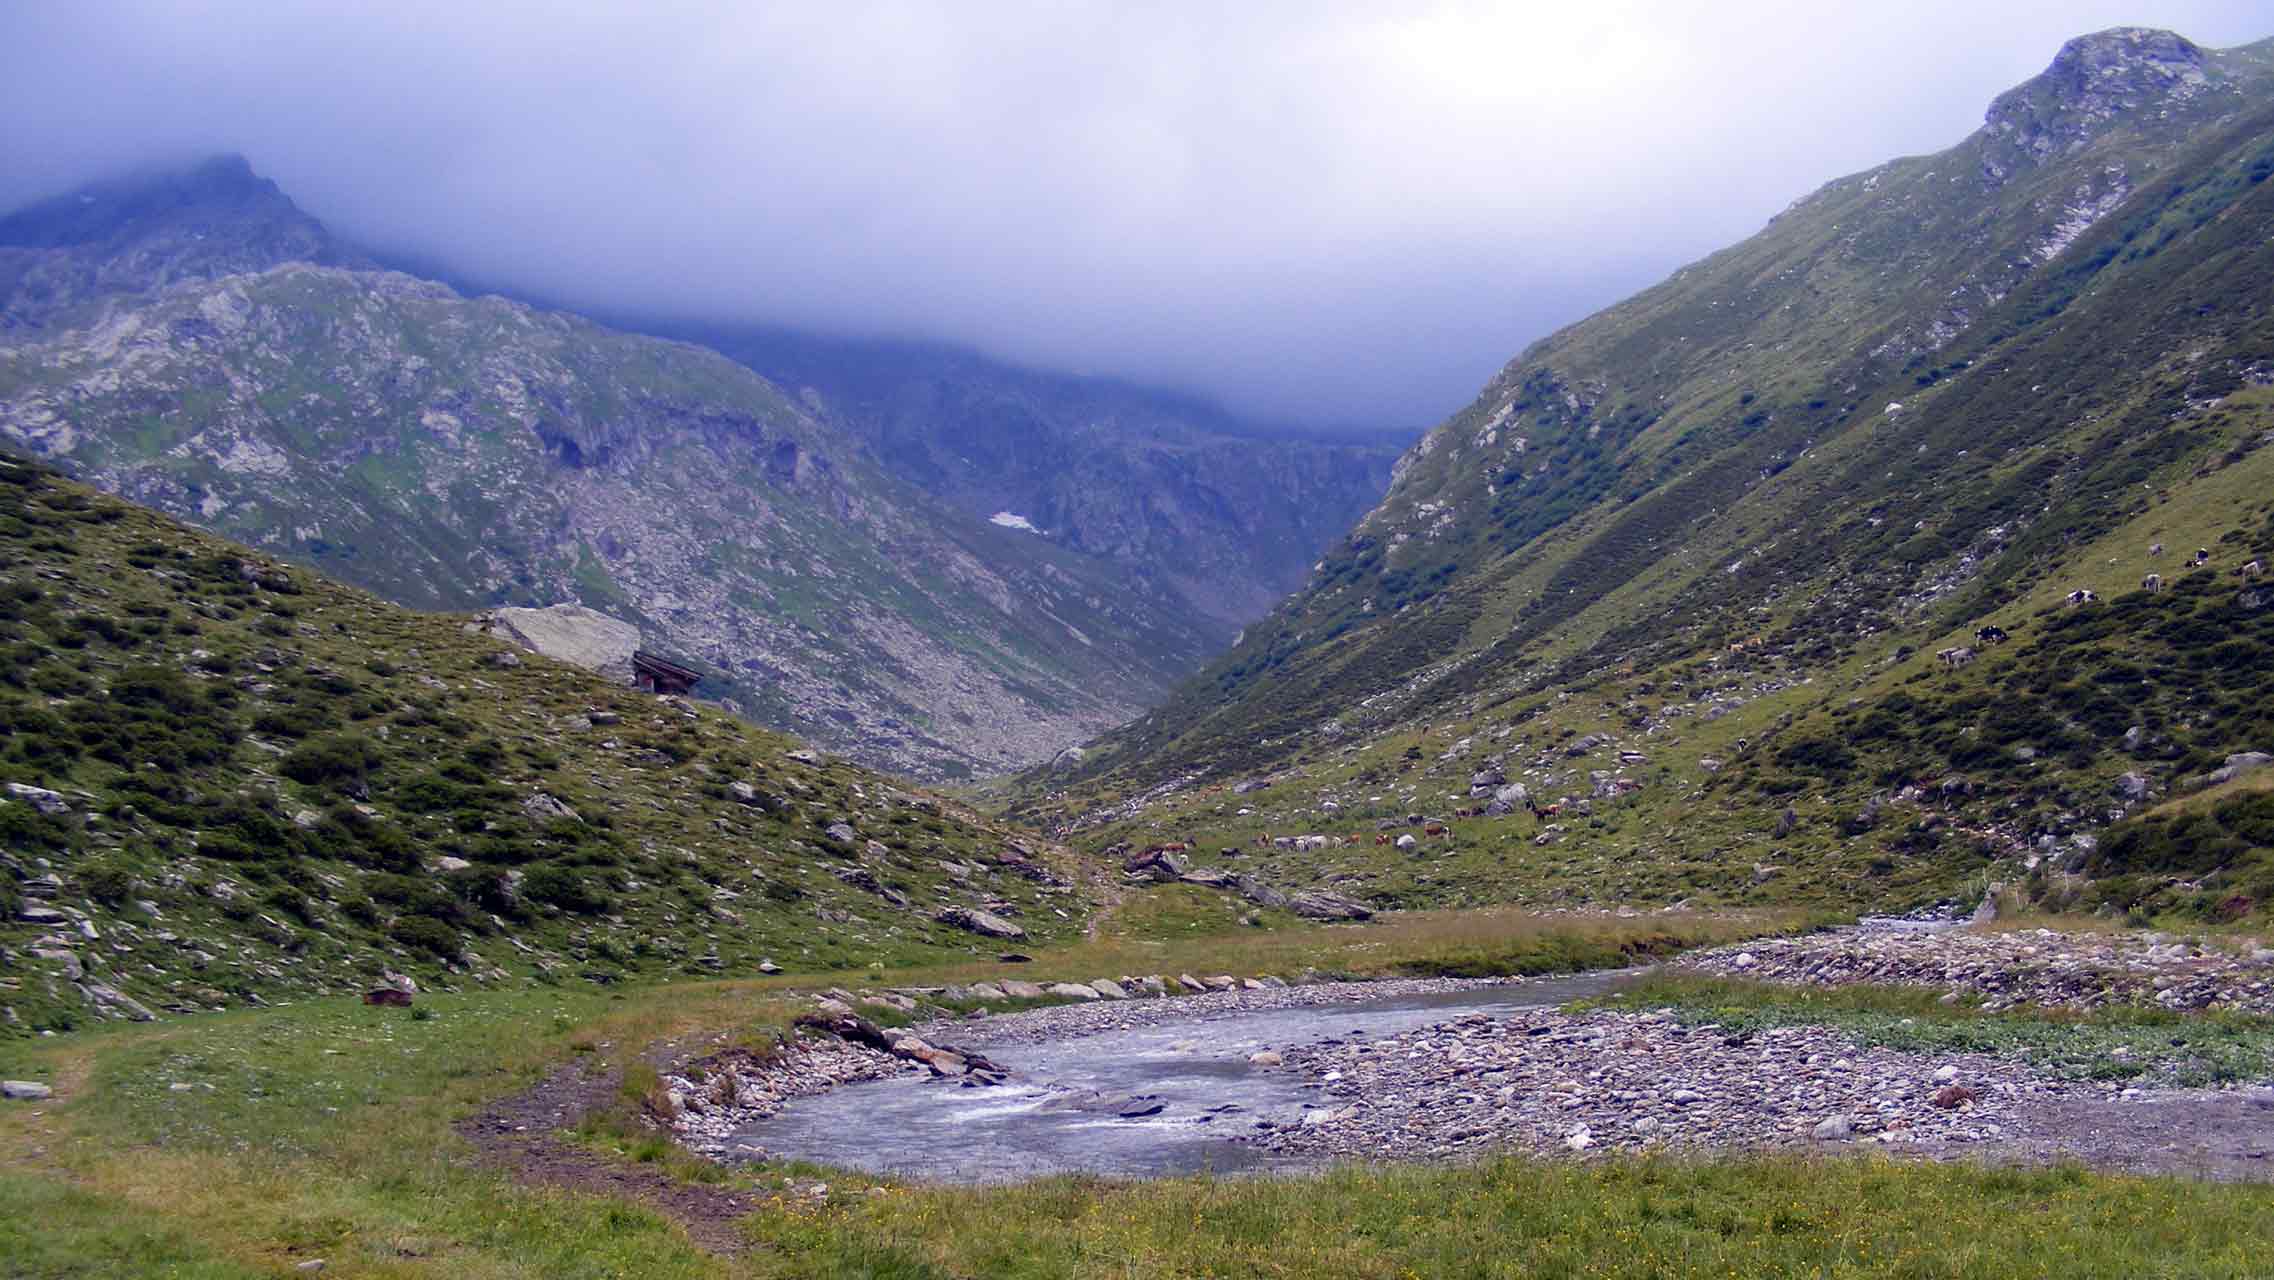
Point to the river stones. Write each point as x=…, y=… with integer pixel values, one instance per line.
x=2035, y=966
x=1635, y=1080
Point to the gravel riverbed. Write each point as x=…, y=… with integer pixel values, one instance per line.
x=1555, y=1082
x=2011, y=967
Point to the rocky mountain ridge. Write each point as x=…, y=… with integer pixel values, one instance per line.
x=1228, y=513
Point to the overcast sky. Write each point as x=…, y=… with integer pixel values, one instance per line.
x=1335, y=213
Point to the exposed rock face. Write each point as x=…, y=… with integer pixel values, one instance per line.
x=2093, y=81
x=980, y=922
x=137, y=237
x=573, y=634
x=1232, y=515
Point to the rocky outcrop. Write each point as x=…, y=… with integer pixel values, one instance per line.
x=985, y=923
x=572, y=634
x=2094, y=81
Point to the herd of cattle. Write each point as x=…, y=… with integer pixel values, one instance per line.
x=1960, y=655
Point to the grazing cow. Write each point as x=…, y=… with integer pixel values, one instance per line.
x=2152, y=583
x=1434, y=829
x=2155, y=549
x=389, y=997
x=1382, y=839
x=1956, y=657
x=1991, y=635
x=2202, y=556
x=2082, y=596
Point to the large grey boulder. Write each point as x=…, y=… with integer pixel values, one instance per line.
x=40, y=798
x=1317, y=904
x=545, y=807
x=1155, y=864
x=2240, y=763
x=1506, y=800
x=572, y=634
x=981, y=922
x=1257, y=892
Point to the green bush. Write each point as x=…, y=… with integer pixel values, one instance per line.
x=561, y=887
x=334, y=760
x=425, y=933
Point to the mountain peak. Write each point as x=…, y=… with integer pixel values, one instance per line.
x=2094, y=80
x=141, y=232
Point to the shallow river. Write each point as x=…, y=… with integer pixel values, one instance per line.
x=1060, y=1111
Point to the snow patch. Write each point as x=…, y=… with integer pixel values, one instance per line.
x=1012, y=520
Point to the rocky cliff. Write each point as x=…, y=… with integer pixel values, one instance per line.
x=1231, y=514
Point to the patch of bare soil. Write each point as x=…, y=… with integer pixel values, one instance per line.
x=519, y=1135
x=2225, y=1136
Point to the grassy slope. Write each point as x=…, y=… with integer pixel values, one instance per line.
x=1716, y=538
x=263, y=775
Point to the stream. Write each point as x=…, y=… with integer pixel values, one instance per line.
x=1162, y=1099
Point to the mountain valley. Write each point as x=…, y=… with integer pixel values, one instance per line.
x=1780, y=784
x=195, y=342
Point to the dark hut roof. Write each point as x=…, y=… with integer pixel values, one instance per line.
x=662, y=666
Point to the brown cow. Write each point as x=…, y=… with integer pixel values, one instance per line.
x=388, y=996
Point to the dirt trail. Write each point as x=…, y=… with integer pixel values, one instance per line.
x=518, y=1136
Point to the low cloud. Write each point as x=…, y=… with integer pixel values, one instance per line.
x=1331, y=213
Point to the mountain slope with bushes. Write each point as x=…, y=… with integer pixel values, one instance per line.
x=1721, y=573
x=227, y=780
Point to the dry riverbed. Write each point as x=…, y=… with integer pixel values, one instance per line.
x=2018, y=966
x=1557, y=1083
